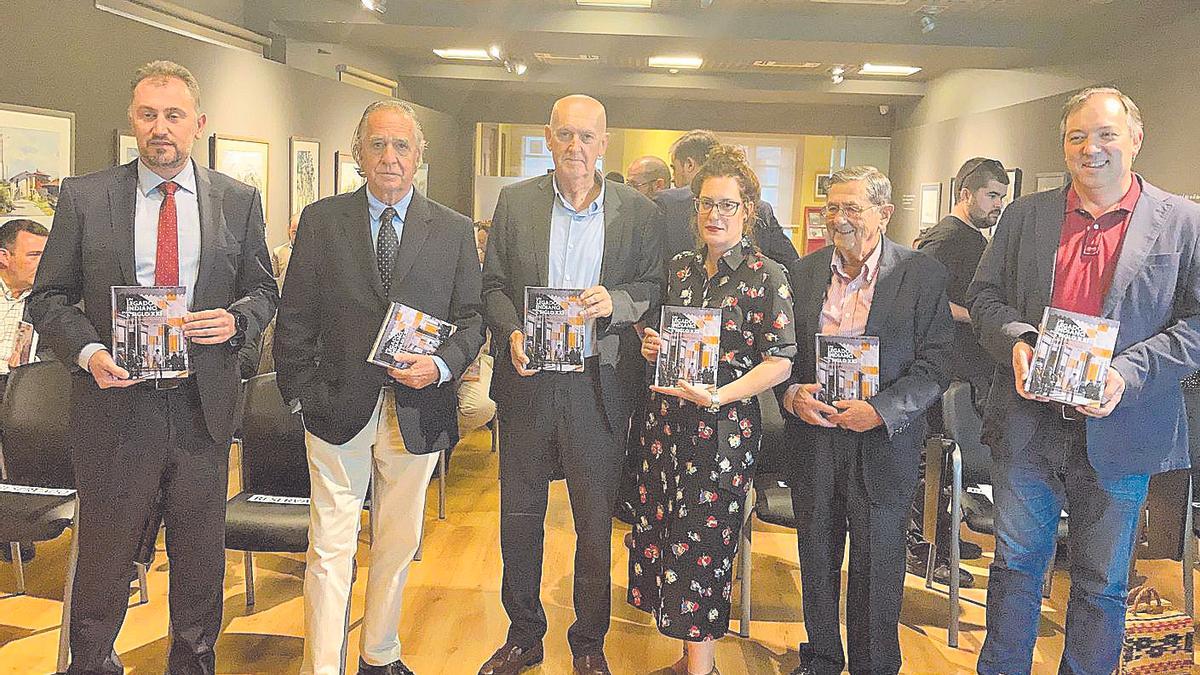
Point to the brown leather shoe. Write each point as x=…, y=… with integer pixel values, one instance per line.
x=592, y=664
x=511, y=659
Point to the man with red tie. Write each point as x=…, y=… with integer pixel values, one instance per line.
x=138, y=445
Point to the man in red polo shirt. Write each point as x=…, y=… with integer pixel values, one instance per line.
x=1107, y=244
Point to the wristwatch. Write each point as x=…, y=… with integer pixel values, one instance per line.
x=714, y=402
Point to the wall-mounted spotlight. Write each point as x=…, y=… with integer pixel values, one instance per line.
x=379, y=6
x=495, y=52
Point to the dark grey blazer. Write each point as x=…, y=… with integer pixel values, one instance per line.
x=90, y=250
x=910, y=314
x=631, y=269
x=333, y=305
x=1155, y=294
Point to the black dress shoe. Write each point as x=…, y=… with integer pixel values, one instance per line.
x=396, y=667
x=511, y=659
x=917, y=564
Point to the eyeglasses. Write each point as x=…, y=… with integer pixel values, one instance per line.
x=851, y=211
x=725, y=207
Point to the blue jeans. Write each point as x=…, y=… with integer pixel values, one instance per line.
x=1030, y=492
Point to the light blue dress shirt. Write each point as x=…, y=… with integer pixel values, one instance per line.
x=375, y=208
x=576, y=250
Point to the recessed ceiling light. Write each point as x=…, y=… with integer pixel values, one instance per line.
x=464, y=54
x=786, y=66
x=619, y=4
x=551, y=59
x=878, y=69
x=688, y=62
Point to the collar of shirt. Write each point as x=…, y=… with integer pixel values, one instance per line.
x=870, y=265
x=591, y=209
x=375, y=206
x=734, y=257
x=1075, y=203
x=8, y=293
x=148, y=181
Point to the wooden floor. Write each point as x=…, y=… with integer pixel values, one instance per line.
x=453, y=619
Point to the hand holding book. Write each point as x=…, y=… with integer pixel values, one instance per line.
x=416, y=371
x=209, y=327
x=801, y=401
x=701, y=395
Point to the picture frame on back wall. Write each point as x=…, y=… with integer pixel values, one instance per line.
x=821, y=186
x=126, y=148
x=304, y=174
x=1014, y=184
x=37, y=151
x=245, y=159
x=931, y=202
x=346, y=176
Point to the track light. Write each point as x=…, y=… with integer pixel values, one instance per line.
x=379, y=6
x=837, y=74
x=520, y=68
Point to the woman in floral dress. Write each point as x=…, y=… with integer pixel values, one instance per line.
x=698, y=444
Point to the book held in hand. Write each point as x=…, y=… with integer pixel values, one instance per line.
x=148, y=336
x=691, y=346
x=554, y=328
x=1072, y=356
x=407, y=331
x=847, y=367
x=25, y=342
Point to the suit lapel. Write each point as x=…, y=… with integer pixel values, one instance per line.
x=416, y=231
x=357, y=226
x=615, y=230
x=1048, y=220
x=122, y=194
x=887, y=285
x=209, y=204
x=542, y=209
x=1145, y=224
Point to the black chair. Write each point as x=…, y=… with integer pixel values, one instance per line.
x=770, y=498
x=970, y=465
x=270, y=514
x=37, y=494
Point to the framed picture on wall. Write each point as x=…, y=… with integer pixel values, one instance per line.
x=931, y=202
x=304, y=174
x=950, y=201
x=1050, y=181
x=814, y=222
x=37, y=151
x=346, y=176
x=1014, y=184
x=126, y=148
x=421, y=179
x=821, y=188
x=246, y=159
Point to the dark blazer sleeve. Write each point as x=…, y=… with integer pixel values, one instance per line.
x=997, y=323
x=643, y=293
x=258, y=293
x=923, y=382
x=52, y=306
x=298, y=327
x=498, y=309
x=461, y=348
x=772, y=240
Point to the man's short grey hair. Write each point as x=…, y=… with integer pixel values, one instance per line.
x=1076, y=102
x=164, y=70
x=388, y=104
x=879, y=188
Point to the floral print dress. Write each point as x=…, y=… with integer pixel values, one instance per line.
x=695, y=466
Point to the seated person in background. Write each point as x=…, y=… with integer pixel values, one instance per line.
x=283, y=253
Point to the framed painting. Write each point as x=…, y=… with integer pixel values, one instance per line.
x=814, y=222
x=126, y=148
x=346, y=175
x=37, y=151
x=931, y=202
x=821, y=188
x=421, y=179
x=1014, y=184
x=305, y=174
x=1050, y=181
x=246, y=159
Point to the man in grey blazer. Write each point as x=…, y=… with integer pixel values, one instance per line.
x=854, y=462
x=162, y=220
x=1108, y=244
x=568, y=229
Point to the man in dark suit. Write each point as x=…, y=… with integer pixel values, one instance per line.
x=679, y=230
x=355, y=253
x=855, y=461
x=1108, y=244
x=568, y=229
x=159, y=221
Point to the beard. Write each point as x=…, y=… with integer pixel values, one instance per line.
x=164, y=156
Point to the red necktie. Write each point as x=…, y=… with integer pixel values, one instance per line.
x=166, y=260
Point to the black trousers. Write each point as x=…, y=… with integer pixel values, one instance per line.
x=830, y=500
x=139, y=452
x=568, y=432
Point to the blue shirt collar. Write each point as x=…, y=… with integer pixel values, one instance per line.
x=376, y=206
x=592, y=209
x=148, y=181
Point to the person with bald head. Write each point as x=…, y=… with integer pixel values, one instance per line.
x=567, y=229
x=648, y=175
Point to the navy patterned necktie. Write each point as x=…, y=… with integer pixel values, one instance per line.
x=385, y=248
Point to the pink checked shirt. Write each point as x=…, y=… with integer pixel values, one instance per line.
x=848, y=301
